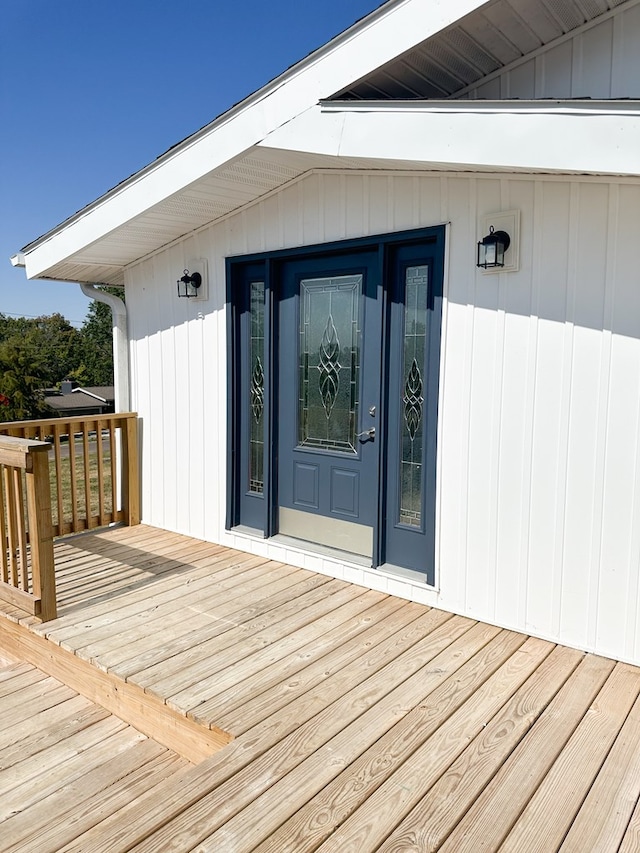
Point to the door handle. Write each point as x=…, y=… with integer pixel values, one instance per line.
x=368, y=433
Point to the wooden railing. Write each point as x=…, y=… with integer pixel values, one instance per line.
x=93, y=468
x=26, y=542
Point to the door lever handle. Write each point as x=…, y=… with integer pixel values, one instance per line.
x=368, y=433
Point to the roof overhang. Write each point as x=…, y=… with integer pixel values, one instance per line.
x=394, y=28
x=569, y=137
x=562, y=138
x=288, y=128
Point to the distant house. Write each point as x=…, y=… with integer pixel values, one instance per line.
x=73, y=400
x=346, y=389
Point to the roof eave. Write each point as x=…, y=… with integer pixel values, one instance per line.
x=326, y=70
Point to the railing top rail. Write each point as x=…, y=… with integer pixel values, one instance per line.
x=17, y=452
x=77, y=419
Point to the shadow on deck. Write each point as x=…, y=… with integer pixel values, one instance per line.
x=324, y=716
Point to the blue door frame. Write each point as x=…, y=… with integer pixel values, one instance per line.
x=385, y=481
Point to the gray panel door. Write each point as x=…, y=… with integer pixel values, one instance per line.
x=329, y=357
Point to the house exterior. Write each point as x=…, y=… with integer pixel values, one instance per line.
x=73, y=400
x=347, y=390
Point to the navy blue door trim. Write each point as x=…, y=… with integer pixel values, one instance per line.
x=392, y=544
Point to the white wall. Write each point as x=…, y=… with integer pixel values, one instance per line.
x=601, y=60
x=539, y=422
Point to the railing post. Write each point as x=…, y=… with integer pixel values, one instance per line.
x=130, y=471
x=41, y=532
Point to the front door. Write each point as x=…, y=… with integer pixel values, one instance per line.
x=334, y=382
x=329, y=398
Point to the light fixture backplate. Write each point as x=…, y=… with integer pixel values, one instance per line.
x=504, y=220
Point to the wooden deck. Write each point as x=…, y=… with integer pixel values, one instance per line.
x=67, y=758
x=318, y=716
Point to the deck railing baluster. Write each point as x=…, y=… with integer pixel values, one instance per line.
x=57, y=456
x=87, y=474
x=101, y=486
x=12, y=525
x=75, y=518
x=4, y=542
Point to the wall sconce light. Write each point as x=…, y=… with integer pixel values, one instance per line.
x=189, y=285
x=491, y=249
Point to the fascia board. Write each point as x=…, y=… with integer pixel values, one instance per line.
x=537, y=139
x=388, y=32
x=88, y=394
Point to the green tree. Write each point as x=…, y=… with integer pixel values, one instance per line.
x=39, y=353
x=22, y=375
x=10, y=326
x=57, y=344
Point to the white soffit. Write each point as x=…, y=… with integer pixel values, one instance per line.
x=487, y=39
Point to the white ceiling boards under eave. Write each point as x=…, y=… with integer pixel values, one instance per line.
x=220, y=168
x=490, y=37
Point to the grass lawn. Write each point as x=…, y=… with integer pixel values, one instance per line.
x=65, y=482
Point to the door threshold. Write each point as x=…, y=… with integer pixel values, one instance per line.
x=322, y=550
x=412, y=575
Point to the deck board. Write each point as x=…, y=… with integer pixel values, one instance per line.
x=361, y=722
x=497, y=807
x=144, y=652
x=64, y=775
x=552, y=809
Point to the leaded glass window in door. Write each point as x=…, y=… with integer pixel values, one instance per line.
x=256, y=388
x=329, y=363
x=412, y=390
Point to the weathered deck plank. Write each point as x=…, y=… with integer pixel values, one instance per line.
x=362, y=722
x=407, y=760
x=81, y=804
x=551, y=810
x=263, y=693
x=141, y=654
x=457, y=827
x=264, y=649
x=65, y=776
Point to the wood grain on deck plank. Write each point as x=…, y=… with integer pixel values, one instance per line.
x=124, y=602
x=488, y=820
x=367, y=711
x=143, y=653
x=355, y=688
x=82, y=803
x=235, y=664
x=378, y=724
x=551, y=811
x=603, y=818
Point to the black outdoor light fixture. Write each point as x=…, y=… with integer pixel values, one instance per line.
x=491, y=249
x=189, y=285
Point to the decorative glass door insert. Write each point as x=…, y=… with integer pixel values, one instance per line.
x=329, y=365
x=256, y=388
x=416, y=287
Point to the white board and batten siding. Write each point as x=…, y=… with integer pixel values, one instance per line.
x=600, y=60
x=538, y=523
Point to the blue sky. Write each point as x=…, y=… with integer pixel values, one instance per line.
x=92, y=90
